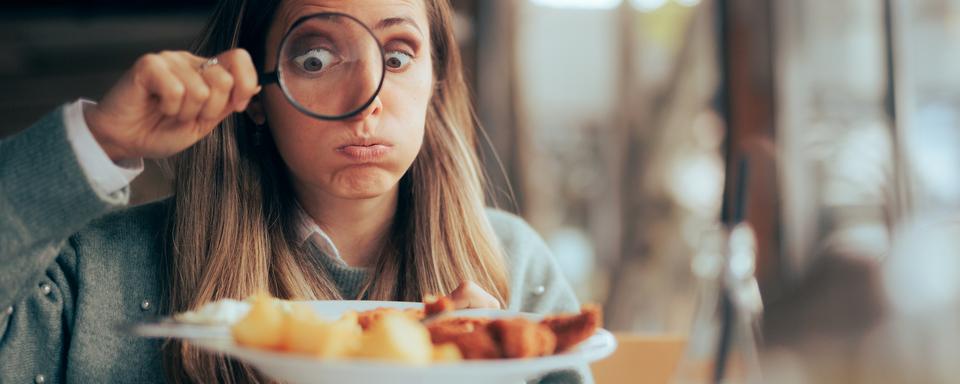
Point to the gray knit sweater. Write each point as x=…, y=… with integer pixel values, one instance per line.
x=75, y=263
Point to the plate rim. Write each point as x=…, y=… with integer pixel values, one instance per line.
x=568, y=359
x=224, y=343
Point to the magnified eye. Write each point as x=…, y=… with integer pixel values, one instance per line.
x=397, y=60
x=315, y=60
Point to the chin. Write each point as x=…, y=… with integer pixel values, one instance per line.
x=365, y=184
x=362, y=194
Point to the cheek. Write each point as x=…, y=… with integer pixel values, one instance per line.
x=297, y=136
x=406, y=128
x=406, y=98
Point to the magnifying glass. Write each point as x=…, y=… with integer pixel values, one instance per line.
x=330, y=66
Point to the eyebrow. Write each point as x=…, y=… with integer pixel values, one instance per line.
x=393, y=21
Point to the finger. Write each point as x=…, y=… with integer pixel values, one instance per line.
x=197, y=90
x=221, y=84
x=488, y=301
x=154, y=75
x=239, y=63
x=459, y=298
x=470, y=295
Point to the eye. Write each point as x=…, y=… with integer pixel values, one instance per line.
x=315, y=60
x=397, y=60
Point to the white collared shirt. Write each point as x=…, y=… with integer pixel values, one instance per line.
x=107, y=177
x=310, y=230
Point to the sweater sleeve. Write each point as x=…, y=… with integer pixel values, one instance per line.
x=536, y=282
x=44, y=199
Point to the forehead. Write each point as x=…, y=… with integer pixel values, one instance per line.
x=370, y=12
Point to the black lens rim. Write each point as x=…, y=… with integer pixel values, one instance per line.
x=275, y=78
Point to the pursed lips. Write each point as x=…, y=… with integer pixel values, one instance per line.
x=365, y=150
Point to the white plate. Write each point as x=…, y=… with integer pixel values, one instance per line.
x=293, y=368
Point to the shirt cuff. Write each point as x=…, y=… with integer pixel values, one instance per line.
x=106, y=176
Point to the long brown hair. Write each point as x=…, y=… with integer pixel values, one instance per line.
x=232, y=224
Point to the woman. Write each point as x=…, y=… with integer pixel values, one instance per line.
x=266, y=199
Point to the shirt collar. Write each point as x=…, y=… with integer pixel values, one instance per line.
x=309, y=230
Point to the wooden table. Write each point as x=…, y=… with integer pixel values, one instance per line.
x=641, y=358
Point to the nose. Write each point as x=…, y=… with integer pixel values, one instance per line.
x=372, y=110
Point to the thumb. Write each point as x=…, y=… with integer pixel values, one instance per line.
x=470, y=295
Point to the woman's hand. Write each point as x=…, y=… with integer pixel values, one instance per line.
x=167, y=102
x=470, y=295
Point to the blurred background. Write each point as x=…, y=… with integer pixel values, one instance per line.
x=620, y=129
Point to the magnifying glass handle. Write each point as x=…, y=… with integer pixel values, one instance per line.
x=269, y=78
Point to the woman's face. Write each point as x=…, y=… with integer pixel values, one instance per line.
x=366, y=155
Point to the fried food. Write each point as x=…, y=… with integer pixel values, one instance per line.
x=398, y=335
x=262, y=327
x=522, y=338
x=573, y=329
x=460, y=331
x=453, y=325
x=474, y=341
x=395, y=336
x=433, y=305
x=494, y=339
x=446, y=353
x=307, y=333
x=516, y=337
x=303, y=331
x=366, y=318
